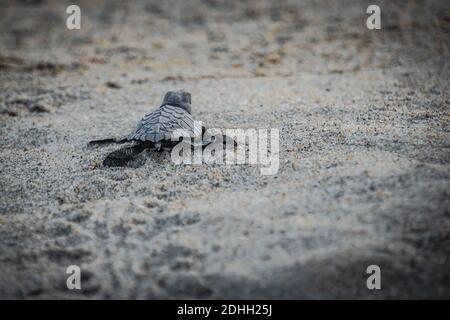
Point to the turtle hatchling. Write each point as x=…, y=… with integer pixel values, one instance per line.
x=155, y=130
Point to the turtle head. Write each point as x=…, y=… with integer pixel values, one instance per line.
x=179, y=98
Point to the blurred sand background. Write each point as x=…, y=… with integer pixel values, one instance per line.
x=364, y=155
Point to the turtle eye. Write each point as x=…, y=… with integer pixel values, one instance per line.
x=167, y=96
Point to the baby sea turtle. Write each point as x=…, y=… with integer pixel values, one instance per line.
x=155, y=130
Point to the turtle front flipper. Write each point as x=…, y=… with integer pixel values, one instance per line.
x=121, y=157
x=208, y=138
x=227, y=140
x=108, y=141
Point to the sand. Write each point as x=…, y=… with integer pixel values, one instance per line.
x=364, y=150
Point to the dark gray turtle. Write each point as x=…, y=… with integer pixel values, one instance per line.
x=155, y=129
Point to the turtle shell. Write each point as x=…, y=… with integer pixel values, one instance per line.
x=160, y=124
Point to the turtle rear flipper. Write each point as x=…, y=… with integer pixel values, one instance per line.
x=121, y=157
x=108, y=141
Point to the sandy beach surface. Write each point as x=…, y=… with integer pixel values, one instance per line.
x=364, y=150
